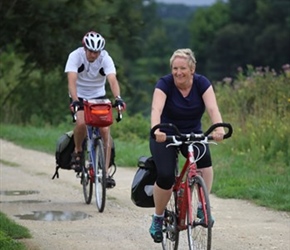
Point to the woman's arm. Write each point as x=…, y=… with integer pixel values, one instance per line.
x=211, y=105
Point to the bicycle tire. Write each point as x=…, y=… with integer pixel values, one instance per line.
x=86, y=180
x=170, y=229
x=199, y=232
x=87, y=183
x=100, y=175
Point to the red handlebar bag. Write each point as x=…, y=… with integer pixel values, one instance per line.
x=98, y=112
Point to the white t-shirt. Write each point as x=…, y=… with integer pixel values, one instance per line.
x=90, y=82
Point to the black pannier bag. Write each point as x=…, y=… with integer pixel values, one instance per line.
x=64, y=148
x=143, y=182
x=63, y=153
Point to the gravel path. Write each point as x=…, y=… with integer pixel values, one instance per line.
x=239, y=224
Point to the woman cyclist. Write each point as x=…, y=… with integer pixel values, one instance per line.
x=179, y=98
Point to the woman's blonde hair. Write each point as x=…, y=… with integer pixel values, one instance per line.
x=185, y=53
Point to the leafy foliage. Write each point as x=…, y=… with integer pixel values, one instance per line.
x=36, y=38
x=238, y=33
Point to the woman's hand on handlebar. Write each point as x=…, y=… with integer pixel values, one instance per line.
x=215, y=132
x=160, y=136
x=218, y=134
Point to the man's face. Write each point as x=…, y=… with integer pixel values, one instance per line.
x=92, y=55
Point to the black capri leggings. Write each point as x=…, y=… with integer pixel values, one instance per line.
x=166, y=159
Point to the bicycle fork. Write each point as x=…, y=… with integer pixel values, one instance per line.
x=184, y=206
x=91, y=152
x=185, y=210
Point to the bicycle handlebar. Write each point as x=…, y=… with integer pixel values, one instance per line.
x=192, y=136
x=118, y=118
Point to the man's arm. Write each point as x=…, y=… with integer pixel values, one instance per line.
x=72, y=85
x=114, y=84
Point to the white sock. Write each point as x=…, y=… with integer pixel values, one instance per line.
x=158, y=215
x=199, y=205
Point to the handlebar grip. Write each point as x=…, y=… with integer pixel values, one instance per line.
x=230, y=131
x=164, y=125
x=222, y=124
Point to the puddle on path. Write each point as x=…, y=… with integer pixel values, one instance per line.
x=18, y=192
x=23, y=201
x=54, y=216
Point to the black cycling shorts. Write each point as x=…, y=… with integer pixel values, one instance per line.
x=165, y=159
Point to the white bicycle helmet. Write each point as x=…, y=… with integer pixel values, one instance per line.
x=93, y=41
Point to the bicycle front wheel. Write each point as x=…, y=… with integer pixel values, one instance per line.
x=100, y=175
x=199, y=230
x=170, y=230
x=87, y=183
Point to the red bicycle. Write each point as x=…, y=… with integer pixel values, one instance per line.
x=189, y=206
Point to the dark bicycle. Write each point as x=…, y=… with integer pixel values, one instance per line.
x=93, y=166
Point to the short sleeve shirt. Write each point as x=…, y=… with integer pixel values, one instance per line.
x=184, y=112
x=91, y=76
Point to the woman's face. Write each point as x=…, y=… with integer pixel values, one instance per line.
x=181, y=71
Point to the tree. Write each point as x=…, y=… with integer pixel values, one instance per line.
x=46, y=31
x=240, y=33
x=203, y=26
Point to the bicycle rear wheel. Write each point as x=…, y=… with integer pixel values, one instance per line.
x=199, y=230
x=100, y=175
x=170, y=230
x=86, y=180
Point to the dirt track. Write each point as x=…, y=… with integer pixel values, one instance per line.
x=239, y=225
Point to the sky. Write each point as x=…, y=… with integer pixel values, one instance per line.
x=189, y=2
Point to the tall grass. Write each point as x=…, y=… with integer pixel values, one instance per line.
x=256, y=160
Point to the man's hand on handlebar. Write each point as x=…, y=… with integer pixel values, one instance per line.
x=75, y=106
x=119, y=103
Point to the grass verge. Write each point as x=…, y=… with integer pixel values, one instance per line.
x=11, y=233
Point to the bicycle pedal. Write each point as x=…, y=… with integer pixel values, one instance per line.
x=110, y=183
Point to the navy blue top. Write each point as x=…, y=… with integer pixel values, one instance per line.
x=184, y=112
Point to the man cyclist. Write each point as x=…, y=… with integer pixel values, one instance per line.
x=88, y=68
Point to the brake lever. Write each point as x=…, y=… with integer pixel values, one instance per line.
x=120, y=116
x=75, y=113
x=174, y=143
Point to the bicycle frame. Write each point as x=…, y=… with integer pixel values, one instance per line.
x=92, y=134
x=189, y=170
